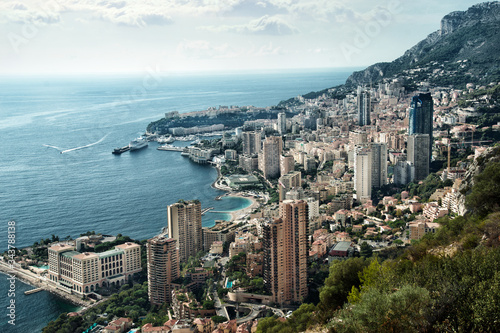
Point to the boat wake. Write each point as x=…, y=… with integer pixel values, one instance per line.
x=55, y=147
x=63, y=151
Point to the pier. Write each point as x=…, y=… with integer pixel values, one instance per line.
x=219, y=197
x=203, y=211
x=32, y=291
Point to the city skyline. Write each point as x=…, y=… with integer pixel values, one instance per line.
x=69, y=37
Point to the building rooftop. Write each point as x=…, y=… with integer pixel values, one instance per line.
x=110, y=253
x=127, y=245
x=61, y=247
x=70, y=254
x=341, y=246
x=85, y=255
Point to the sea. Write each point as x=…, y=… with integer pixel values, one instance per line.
x=58, y=176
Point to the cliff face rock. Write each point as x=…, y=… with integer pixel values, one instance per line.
x=482, y=13
x=470, y=35
x=491, y=154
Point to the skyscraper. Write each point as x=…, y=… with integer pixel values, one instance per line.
x=364, y=107
x=269, y=157
x=163, y=268
x=184, y=225
x=363, y=173
x=251, y=143
x=287, y=164
x=281, y=123
x=404, y=172
x=421, y=113
x=285, y=259
x=418, y=154
x=379, y=164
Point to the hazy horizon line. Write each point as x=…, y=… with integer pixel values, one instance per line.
x=178, y=72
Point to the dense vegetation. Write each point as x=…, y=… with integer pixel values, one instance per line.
x=446, y=282
x=131, y=302
x=230, y=120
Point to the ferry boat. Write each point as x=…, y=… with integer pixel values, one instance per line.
x=118, y=151
x=138, y=143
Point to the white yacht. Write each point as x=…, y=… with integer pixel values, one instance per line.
x=138, y=143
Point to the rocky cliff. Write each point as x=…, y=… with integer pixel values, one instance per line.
x=470, y=35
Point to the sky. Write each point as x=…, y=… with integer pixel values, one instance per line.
x=125, y=36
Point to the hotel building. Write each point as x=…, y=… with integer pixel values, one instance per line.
x=81, y=273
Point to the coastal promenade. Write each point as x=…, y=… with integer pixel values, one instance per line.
x=38, y=281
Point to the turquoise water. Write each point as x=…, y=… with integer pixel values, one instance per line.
x=229, y=284
x=42, y=267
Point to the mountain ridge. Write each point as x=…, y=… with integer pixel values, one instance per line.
x=464, y=36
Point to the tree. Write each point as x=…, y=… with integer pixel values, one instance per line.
x=366, y=250
x=343, y=276
x=401, y=311
x=218, y=319
x=208, y=305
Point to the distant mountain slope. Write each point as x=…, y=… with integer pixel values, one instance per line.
x=472, y=35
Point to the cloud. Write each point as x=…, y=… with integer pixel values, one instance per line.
x=202, y=49
x=19, y=6
x=266, y=25
x=269, y=49
x=13, y=11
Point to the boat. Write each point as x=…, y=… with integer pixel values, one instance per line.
x=170, y=147
x=118, y=151
x=164, y=139
x=138, y=143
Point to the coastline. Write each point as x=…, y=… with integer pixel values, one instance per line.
x=236, y=214
x=217, y=183
x=36, y=281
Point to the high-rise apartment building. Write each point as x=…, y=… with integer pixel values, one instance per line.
x=357, y=138
x=286, y=252
x=364, y=107
x=379, y=164
x=418, y=154
x=404, y=172
x=363, y=173
x=287, y=164
x=163, y=268
x=251, y=143
x=184, y=225
x=421, y=114
x=289, y=181
x=281, y=123
x=269, y=157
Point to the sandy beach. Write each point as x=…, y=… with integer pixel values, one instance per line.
x=235, y=214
